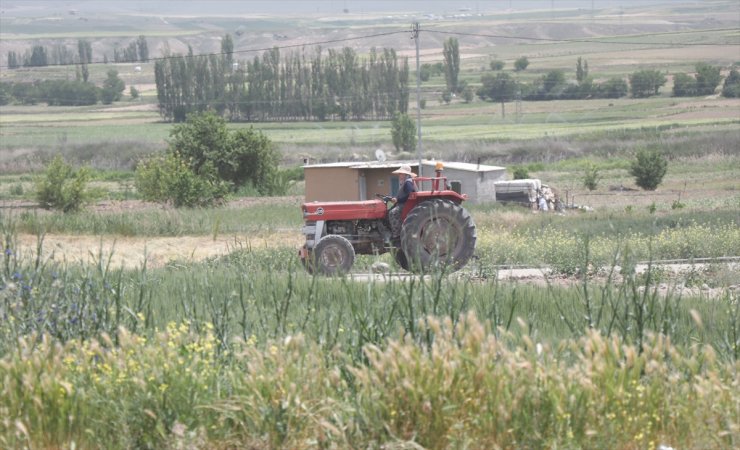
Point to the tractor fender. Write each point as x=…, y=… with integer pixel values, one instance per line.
x=416, y=198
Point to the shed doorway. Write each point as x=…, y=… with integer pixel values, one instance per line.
x=394, y=186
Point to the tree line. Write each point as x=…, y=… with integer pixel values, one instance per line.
x=504, y=87
x=60, y=54
x=332, y=84
x=76, y=92
x=705, y=81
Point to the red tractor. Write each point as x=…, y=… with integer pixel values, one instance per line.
x=436, y=231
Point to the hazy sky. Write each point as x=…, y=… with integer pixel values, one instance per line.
x=440, y=5
x=294, y=7
x=435, y=6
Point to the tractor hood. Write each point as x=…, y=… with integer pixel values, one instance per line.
x=368, y=209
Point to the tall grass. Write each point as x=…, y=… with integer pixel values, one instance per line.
x=250, y=351
x=262, y=294
x=469, y=389
x=267, y=215
x=559, y=244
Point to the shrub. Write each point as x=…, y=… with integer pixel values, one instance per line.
x=499, y=88
x=294, y=173
x=17, y=190
x=731, y=87
x=112, y=88
x=64, y=93
x=169, y=179
x=535, y=167
x=583, y=89
x=468, y=94
x=614, y=87
x=133, y=92
x=521, y=64
x=27, y=93
x=521, y=173
x=250, y=157
x=497, y=65
x=62, y=187
x=5, y=95
x=649, y=168
x=707, y=78
x=239, y=157
x=403, y=132
x=591, y=177
x=645, y=83
x=683, y=85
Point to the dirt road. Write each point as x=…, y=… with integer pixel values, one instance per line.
x=131, y=252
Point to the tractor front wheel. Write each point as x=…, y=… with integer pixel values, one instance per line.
x=438, y=233
x=333, y=255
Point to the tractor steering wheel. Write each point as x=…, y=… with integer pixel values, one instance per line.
x=385, y=198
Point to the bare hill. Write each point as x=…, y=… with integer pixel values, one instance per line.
x=113, y=25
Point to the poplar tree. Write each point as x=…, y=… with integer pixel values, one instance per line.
x=451, y=52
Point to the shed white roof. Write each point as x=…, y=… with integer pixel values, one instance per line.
x=470, y=167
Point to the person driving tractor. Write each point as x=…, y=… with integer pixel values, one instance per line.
x=422, y=231
x=405, y=187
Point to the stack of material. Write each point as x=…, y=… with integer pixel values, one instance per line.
x=550, y=198
x=529, y=192
x=518, y=191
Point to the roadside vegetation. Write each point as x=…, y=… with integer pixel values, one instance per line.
x=247, y=350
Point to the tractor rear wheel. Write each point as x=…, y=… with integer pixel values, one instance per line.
x=333, y=255
x=438, y=233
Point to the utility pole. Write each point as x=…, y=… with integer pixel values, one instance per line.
x=593, y=12
x=415, y=37
x=518, y=105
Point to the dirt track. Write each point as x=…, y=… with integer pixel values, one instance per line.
x=130, y=252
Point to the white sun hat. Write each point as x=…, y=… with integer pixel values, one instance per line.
x=405, y=169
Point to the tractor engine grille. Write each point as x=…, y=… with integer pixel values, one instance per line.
x=343, y=228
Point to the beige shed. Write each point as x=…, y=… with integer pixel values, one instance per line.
x=351, y=181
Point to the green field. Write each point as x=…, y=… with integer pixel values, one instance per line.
x=244, y=349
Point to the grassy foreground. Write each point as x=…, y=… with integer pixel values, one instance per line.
x=248, y=351
x=467, y=389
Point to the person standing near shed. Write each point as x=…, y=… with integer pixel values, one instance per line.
x=405, y=187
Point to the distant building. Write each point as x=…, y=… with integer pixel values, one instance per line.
x=353, y=181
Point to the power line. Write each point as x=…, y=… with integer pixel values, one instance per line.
x=247, y=101
x=251, y=50
x=457, y=33
x=596, y=41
